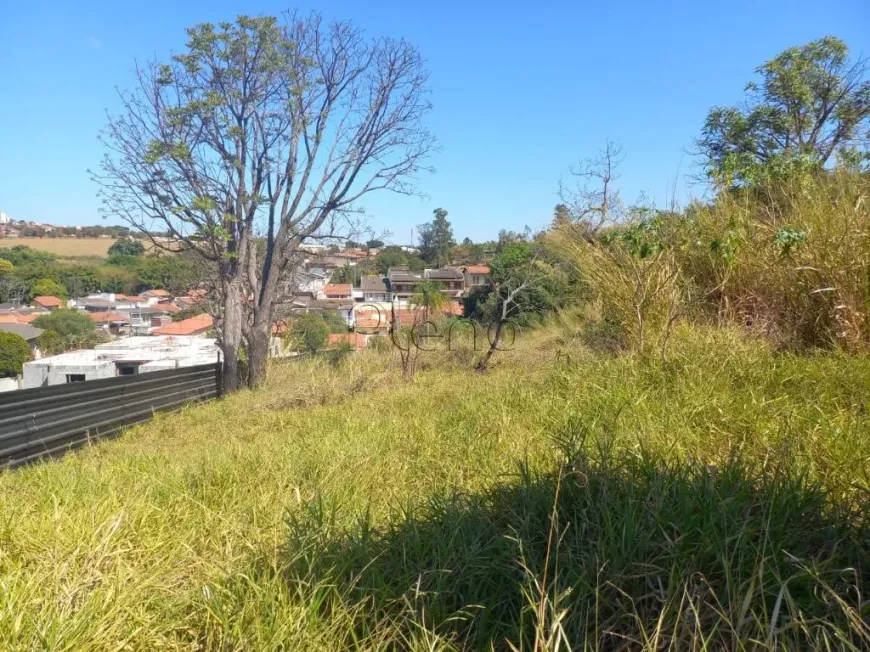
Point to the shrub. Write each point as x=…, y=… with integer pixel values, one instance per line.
x=66, y=323
x=14, y=352
x=127, y=247
x=309, y=333
x=49, y=343
x=48, y=287
x=631, y=271
x=792, y=260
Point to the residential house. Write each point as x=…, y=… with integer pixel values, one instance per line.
x=450, y=281
x=157, y=295
x=124, y=357
x=374, y=289
x=112, y=322
x=47, y=302
x=194, y=326
x=338, y=291
x=475, y=276
x=311, y=282
x=402, y=283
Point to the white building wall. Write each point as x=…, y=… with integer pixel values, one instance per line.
x=38, y=375
x=9, y=384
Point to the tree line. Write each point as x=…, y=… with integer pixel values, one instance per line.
x=26, y=272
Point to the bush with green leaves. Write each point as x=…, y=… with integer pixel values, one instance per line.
x=49, y=343
x=309, y=332
x=14, y=352
x=127, y=247
x=48, y=287
x=66, y=323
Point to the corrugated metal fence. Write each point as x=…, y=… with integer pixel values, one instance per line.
x=50, y=420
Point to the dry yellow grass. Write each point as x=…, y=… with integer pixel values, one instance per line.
x=67, y=247
x=63, y=246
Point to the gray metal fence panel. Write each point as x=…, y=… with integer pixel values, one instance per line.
x=47, y=421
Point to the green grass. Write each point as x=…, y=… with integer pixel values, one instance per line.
x=593, y=502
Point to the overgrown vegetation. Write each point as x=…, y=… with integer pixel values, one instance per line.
x=14, y=352
x=789, y=260
x=603, y=502
x=37, y=272
x=673, y=458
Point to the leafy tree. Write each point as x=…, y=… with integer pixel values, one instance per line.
x=436, y=239
x=811, y=104
x=256, y=137
x=127, y=247
x=66, y=323
x=476, y=253
x=6, y=268
x=48, y=287
x=334, y=321
x=22, y=255
x=346, y=274
x=14, y=352
x=116, y=279
x=49, y=343
x=390, y=257
x=428, y=296
x=374, y=243
x=174, y=273
x=467, y=242
x=309, y=332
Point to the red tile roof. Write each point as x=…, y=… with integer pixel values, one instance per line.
x=47, y=301
x=338, y=290
x=157, y=293
x=134, y=298
x=193, y=326
x=107, y=317
x=371, y=318
x=477, y=269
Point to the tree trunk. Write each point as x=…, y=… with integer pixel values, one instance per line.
x=231, y=338
x=258, y=352
x=493, y=346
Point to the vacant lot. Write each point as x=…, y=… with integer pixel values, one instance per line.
x=591, y=502
x=64, y=247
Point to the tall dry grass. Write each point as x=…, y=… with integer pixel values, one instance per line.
x=791, y=262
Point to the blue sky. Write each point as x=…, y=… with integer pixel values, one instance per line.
x=521, y=90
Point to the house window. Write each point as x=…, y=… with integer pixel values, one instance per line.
x=75, y=378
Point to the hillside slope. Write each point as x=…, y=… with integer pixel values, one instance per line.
x=556, y=502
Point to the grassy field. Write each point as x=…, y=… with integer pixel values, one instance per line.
x=69, y=248
x=64, y=247
x=554, y=503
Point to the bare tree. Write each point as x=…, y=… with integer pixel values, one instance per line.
x=260, y=136
x=519, y=275
x=593, y=200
